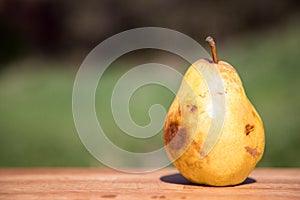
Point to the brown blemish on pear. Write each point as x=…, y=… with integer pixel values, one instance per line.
x=179, y=111
x=178, y=140
x=252, y=151
x=202, y=95
x=192, y=108
x=248, y=129
x=171, y=131
x=172, y=124
x=174, y=135
x=197, y=146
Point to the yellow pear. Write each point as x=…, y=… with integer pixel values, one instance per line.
x=230, y=157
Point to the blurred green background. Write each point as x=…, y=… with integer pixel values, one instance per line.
x=44, y=42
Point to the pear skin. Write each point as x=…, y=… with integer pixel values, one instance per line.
x=241, y=142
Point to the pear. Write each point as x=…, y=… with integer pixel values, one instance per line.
x=240, y=143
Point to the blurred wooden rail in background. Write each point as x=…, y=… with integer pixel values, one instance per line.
x=85, y=183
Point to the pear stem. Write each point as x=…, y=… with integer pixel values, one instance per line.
x=212, y=44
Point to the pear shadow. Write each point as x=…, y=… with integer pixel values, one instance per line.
x=177, y=178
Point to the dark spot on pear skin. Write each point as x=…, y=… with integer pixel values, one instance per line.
x=171, y=131
x=174, y=135
x=248, y=129
x=202, y=95
x=179, y=139
x=179, y=110
x=252, y=151
x=194, y=107
x=196, y=146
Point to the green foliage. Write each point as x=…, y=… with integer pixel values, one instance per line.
x=36, y=124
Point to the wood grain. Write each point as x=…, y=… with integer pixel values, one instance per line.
x=164, y=184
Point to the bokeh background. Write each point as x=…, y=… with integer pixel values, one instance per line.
x=43, y=43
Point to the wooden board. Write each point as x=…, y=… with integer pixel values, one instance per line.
x=164, y=184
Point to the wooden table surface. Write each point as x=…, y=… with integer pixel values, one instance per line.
x=88, y=183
